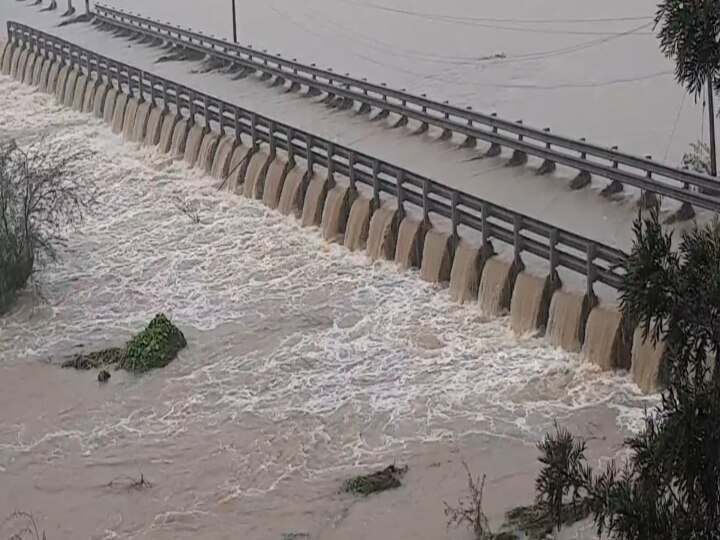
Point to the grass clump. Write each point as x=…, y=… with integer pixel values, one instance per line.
x=154, y=347
x=365, y=484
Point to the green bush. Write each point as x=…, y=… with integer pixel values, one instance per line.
x=154, y=347
x=40, y=195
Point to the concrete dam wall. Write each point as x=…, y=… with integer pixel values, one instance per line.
x=330, y=200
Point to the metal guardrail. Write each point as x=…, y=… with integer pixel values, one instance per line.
x=619, y=168
x=562, y=249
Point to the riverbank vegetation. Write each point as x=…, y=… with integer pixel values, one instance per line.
x=668, y=486
x=22, y=526
x=40, y=196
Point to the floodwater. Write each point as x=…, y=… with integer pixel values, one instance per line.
x=580, y=67
x=305, y=364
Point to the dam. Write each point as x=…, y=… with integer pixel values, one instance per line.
x=331, y=182
x=282, y=207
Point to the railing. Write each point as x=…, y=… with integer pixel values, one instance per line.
x=617, y=167
x=562, y=249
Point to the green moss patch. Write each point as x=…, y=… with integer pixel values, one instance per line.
x=388, y=478
x=154, y=347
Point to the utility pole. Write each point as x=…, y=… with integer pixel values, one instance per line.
x=711, y=109
x=87, y=7
x=234, y=18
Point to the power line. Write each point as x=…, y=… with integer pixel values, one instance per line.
x=299, y=24
x=461, y=60
x=677, y=121
x=451, y=18
x=466, y=61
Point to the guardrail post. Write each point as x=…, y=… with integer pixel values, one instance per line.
x=191, y=101
x=351, y=174
x=446, y=134
x=487, y=248
x=455, y=215
x=400, y=195
x=221, y=113
x=271, y=139
x=364, y=107
x=426, y=201
x=236, y=125
x=151, y=78
x=403, y=120
x=517, y=239
x=141, y=76
x=648, y=199
x=376, y=184
x=615, y=186
x=330, y=150
x=548, y=165
x=495, y=149
x=590, y=270
x=519, y=157
x=309, y=143
x=553, y=256
x=582, y=178
x=470, y=141
x=290, y=134
x=166, y=105
x=206, y=111
x=253, y=132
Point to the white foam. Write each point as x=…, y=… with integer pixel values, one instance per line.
x=312, y=348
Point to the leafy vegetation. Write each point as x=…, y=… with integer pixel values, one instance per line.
x=40, y=195
x=469, y=511
x=669, y=486
x=155, y=347
x=689, y=33
x=365, y=484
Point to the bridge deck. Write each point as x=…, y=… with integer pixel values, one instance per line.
x=546, y=198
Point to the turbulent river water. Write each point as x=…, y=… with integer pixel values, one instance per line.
x=305, y=364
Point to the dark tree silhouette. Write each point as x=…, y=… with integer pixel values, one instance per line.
x=40, y=195
x=689, y=33
x=669, y=487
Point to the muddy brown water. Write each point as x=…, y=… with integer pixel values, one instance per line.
x=306, y=364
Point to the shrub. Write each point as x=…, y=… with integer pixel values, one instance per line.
x=669, y=487
x=154, y=347
x=39, y=197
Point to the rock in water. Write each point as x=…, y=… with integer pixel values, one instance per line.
x=366, y=484
x=154, y=347
x=95, y=360
x=103, y=376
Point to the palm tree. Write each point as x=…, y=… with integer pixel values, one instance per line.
x=690, y=35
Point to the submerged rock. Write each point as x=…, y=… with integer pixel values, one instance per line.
x=95, y=360
x=388, y=478
x=103, y=376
